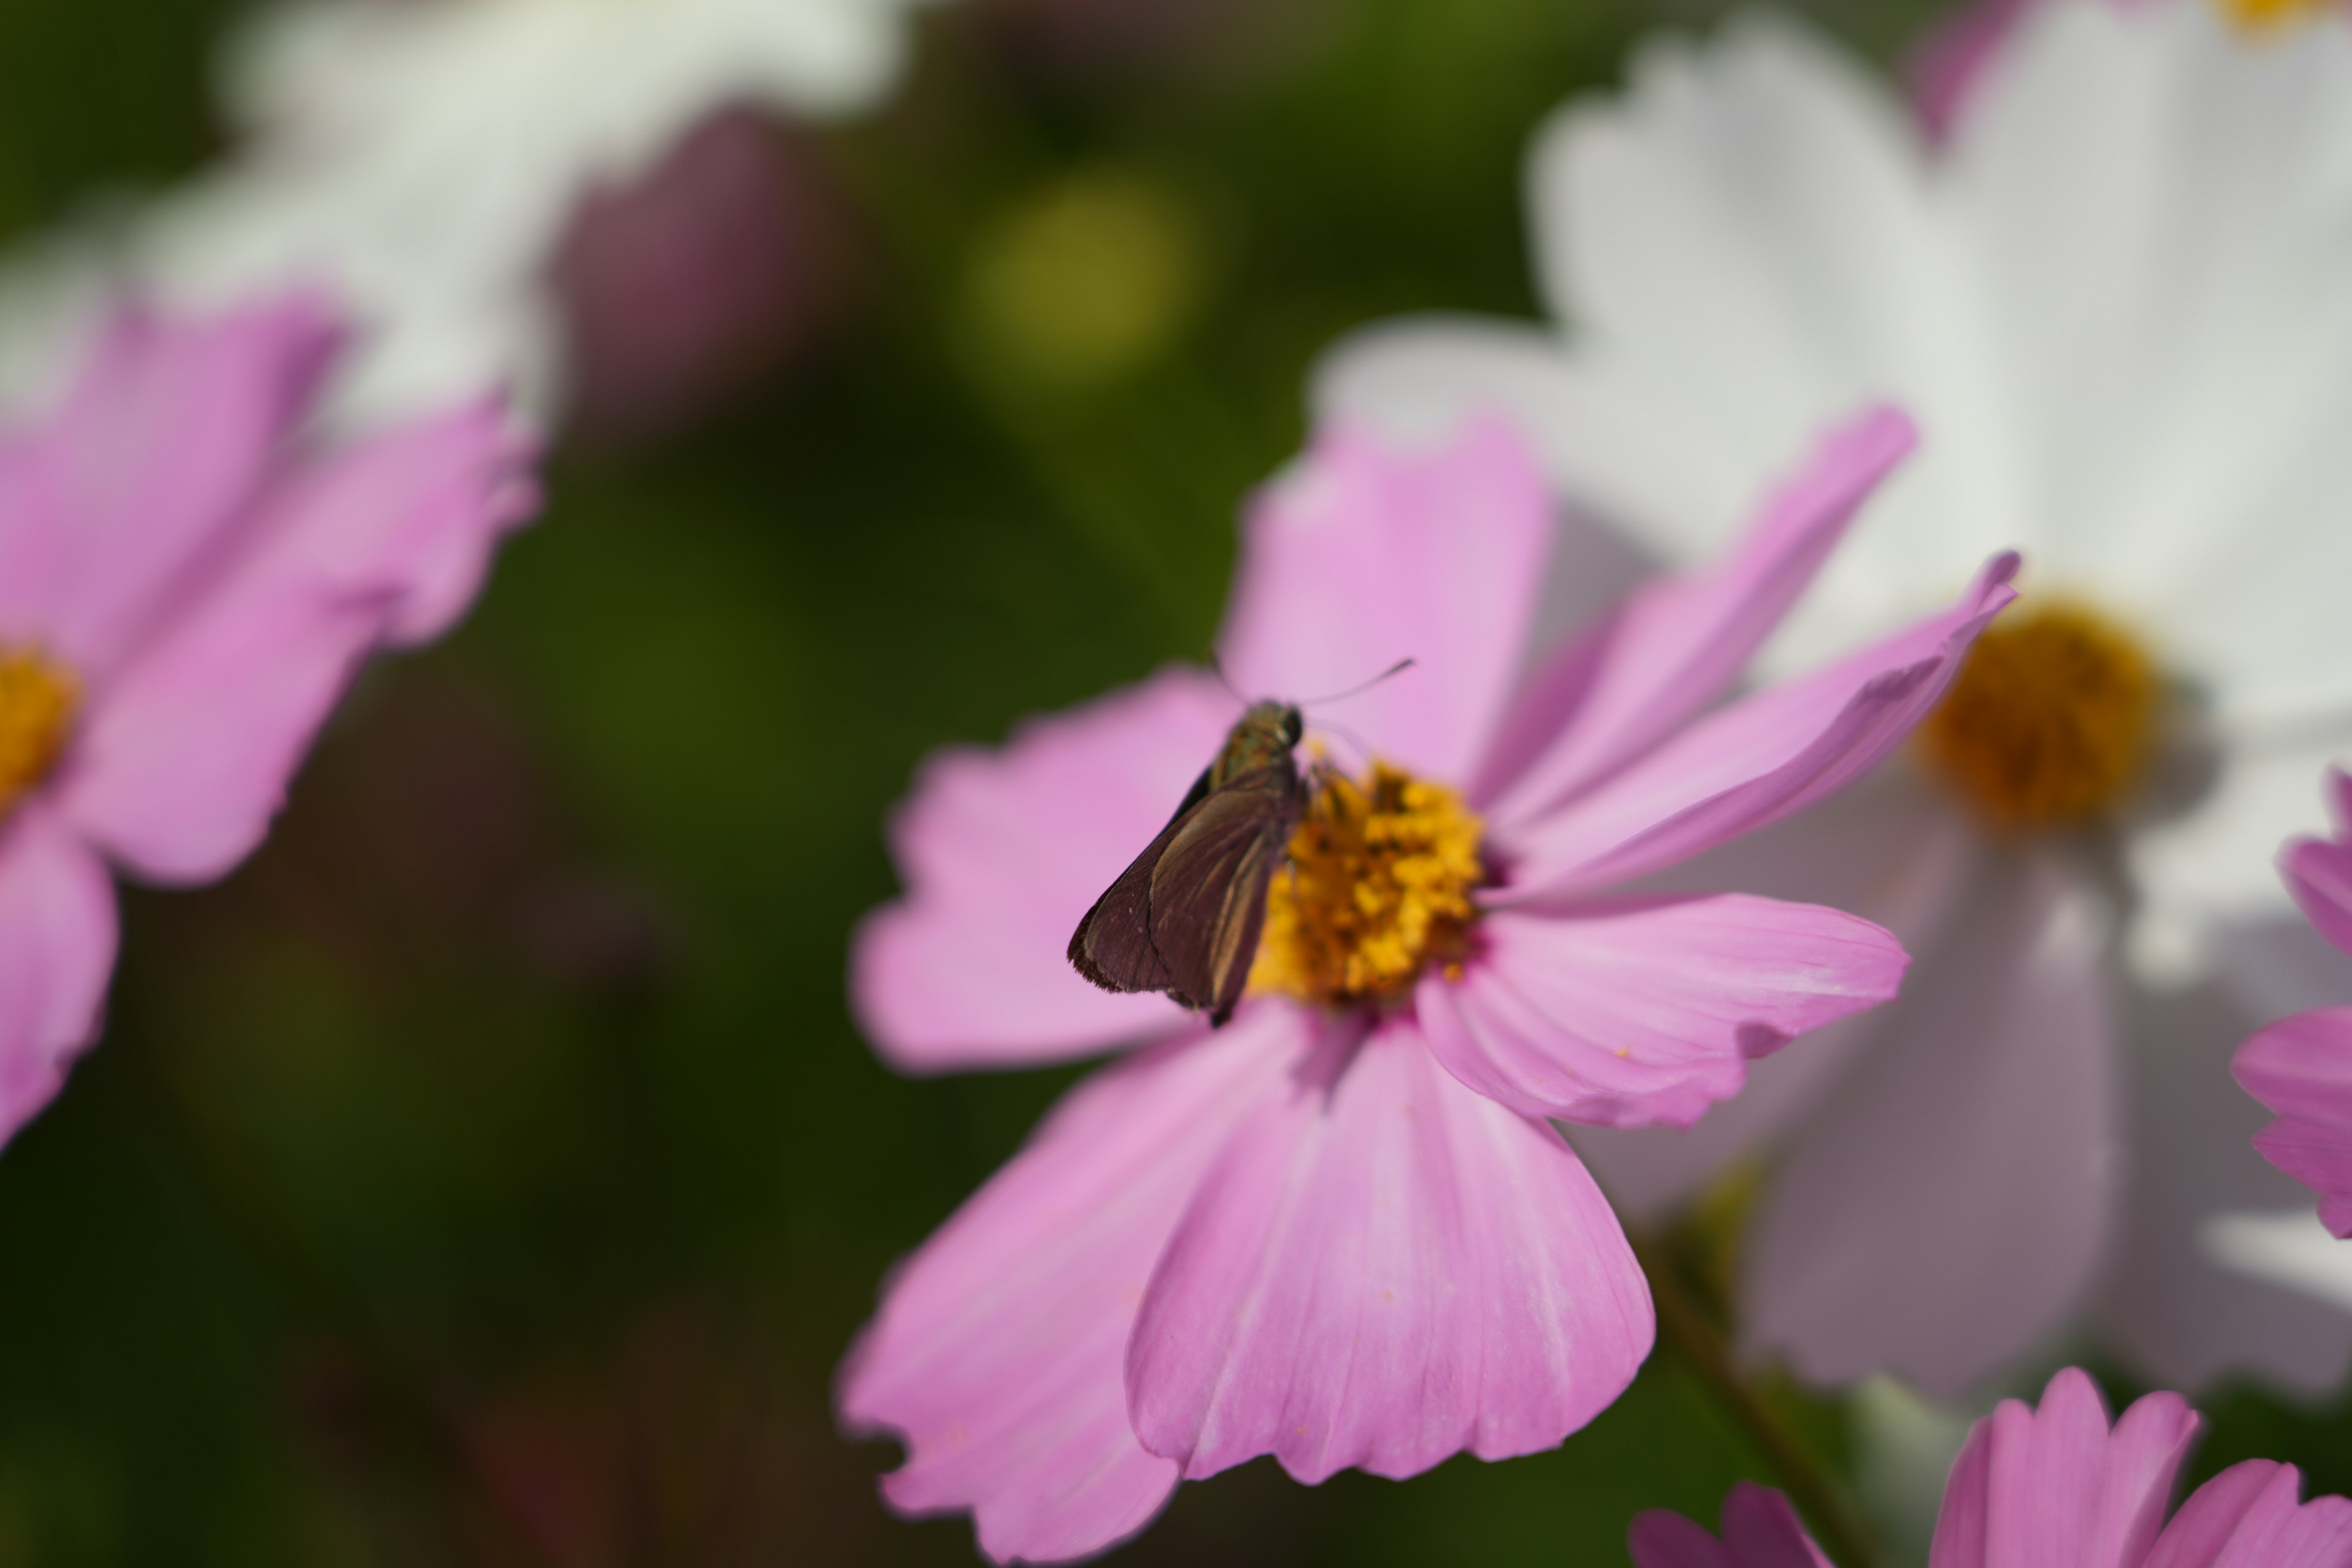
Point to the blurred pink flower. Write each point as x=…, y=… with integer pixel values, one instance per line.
x=2055, y=1488
x=2301, y=1067
x=187, y=582
x=1347, y=1234
x=694, y=276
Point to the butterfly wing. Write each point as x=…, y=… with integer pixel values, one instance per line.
x=1112, y=946
x=1185, y=917
x=1208, y=889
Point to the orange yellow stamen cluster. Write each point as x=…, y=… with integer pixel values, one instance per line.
x=2051, y=721
x=38, y=699
x=1377, y=889
x=2257, y=15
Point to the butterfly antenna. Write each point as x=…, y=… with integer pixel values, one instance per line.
x=1348, y=735
x=1217, y=668
x=1398, y=668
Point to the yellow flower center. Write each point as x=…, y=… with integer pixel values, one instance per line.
x=2257, y=15
x=38, y=699
x=2051, y=721
x=1377, y=889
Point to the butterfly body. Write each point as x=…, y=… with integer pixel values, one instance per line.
x=1186, y=916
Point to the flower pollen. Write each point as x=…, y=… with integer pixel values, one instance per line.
x=2257, y=15
x=2051, y=719
x=1377, y=889
x=38, y=699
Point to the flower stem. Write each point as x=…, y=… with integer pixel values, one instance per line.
x=1694, y=1337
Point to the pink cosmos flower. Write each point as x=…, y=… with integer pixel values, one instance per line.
x=1341, y=1230
x=2055, y=1488
x=2301, y=1067
x=682, y=285
x=187, y=582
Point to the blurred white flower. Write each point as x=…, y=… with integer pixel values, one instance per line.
x=2119, y=302
x=422, y=158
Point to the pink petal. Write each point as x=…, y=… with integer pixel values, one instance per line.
x=1002, y=852
x=999, y=1348
x=188, y=752
x=1946, y=66
x=56, y=950
x=409, y=518
x=2337, y=789
x=1679, y=642
x=1659, y=1538
x=1893, y=849
x=1645, y=1011
x=2301, y=1068
x=1764, y=758
x=1761, y=1529
x=2319, y=874
x=2054, y=1487
x=147, y=470
x=1366, y=555
x=1384, y=1268
x=2201, y=1530
x=1889, y=1241
x=2248, y=1517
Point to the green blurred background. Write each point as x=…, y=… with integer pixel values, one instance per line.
x=490, y=1173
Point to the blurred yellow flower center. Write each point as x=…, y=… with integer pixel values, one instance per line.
x=2260, y=14
x=1378, y=888
x=38, y=699
x=2051, y=719
x=1087, y=280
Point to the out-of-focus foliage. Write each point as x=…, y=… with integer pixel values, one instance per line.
x=489, y=1173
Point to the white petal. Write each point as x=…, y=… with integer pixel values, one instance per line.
x=2163, y=1304
x=421, y=160
x=1946, y=1211
x=2213, y=867
x=2287, y=1246
x=2155, y=214
x=1746, y=250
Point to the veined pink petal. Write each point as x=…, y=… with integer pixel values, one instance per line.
x=2301, y=1069
x=1383, y=1269
x=1680, y=642
x=1362, y=555
x=57, y=949
x=1002, y=854
x=999, y=1349
x=1765, y=757
x=2054, y=1488
x=2318, y=872
x=2248, y=1517
x=1645, y=1011
x=188, y=750
x=1889, y=1240
x=1761, y=1529
x=147, y=470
